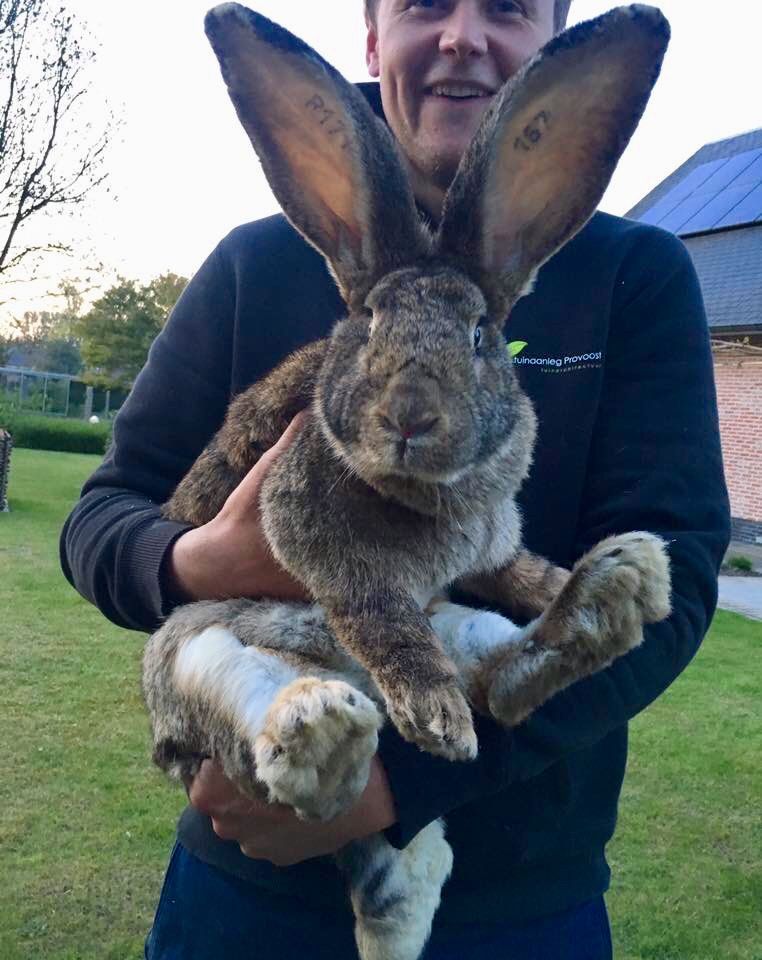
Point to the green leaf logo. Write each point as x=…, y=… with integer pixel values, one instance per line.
x=515, y=347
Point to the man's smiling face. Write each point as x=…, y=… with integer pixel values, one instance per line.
x=440, y=62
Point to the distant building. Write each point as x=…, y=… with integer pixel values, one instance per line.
x=714, y=203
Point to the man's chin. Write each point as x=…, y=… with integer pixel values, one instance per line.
x=440, y=167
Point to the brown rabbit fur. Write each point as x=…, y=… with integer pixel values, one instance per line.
x=403, y=479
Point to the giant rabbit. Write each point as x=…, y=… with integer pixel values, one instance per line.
x=403, y=478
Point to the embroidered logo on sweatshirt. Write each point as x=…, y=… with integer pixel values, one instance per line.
x=593, y=360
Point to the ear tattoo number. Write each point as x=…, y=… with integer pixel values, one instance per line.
x=334, y=126
x=533, y=131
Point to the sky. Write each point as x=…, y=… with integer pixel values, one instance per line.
x=182, y=172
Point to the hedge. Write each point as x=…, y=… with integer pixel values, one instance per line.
x=37, y=432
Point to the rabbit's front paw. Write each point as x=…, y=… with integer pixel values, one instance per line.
x=316, y=745
x=437, y=719
x=619, y=585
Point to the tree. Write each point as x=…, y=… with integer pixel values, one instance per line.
x=46, y=340
x=117, y=332
x=50, y=159
x=35, y=327
x=60, y=355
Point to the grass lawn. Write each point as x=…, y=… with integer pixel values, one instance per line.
x=86, y=824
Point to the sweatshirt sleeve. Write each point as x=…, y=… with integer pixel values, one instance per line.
x=655, y=464
x=115, y=541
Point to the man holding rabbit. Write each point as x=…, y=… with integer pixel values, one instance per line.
x=530, y=818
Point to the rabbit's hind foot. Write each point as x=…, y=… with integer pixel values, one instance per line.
x=616, y=587
x=316, y=745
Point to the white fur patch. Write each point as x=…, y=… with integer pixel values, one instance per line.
x=469, y=635
x=241, y=682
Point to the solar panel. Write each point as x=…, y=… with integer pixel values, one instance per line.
x=690, y=211
x=680, y=191
x=746, y=211
x=687, y=210
x=719, y=207
x=753, y=173
x=714, y=194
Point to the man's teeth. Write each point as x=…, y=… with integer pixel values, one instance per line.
x=457, y=91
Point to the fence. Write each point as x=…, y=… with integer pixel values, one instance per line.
x=56, y=394
x=35, y=390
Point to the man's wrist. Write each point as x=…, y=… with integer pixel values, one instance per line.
x=375, y=811
x=179, y=584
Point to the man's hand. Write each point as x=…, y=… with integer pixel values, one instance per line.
x=273, y=832
x=229, y=556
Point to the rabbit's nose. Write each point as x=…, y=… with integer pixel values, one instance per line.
x=410, y=408
x=409, y=425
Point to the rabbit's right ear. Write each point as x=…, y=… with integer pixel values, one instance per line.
x=332, y=165
x=545, y=151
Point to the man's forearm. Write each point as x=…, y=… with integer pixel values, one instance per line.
x=113, y=548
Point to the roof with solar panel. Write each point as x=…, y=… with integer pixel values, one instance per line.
x=714, y=203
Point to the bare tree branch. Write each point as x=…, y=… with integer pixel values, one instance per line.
x=48, y=158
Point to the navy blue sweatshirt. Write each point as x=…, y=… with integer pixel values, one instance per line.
x=618, y=365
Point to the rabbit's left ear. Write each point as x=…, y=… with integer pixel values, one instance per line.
x=545, y=152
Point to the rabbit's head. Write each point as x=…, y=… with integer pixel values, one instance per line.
x=418, y=381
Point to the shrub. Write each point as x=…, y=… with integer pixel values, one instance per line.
x=740, y=563
x=37, y=432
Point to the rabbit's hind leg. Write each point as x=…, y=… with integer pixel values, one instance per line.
x=525, y=587
x=321, y=730
x=619, y=585
x=395, y=893
x=280, y=723
x=208, y=694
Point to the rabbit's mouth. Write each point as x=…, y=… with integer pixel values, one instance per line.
x=425, y=458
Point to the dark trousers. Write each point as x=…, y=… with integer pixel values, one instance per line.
x=205, y=914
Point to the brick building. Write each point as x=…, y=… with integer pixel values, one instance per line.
x=714, y=203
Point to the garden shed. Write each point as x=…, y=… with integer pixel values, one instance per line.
x=714, y=203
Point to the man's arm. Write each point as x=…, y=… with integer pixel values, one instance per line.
x=115, y=543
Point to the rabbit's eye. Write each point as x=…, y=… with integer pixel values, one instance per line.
x=477, y=336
